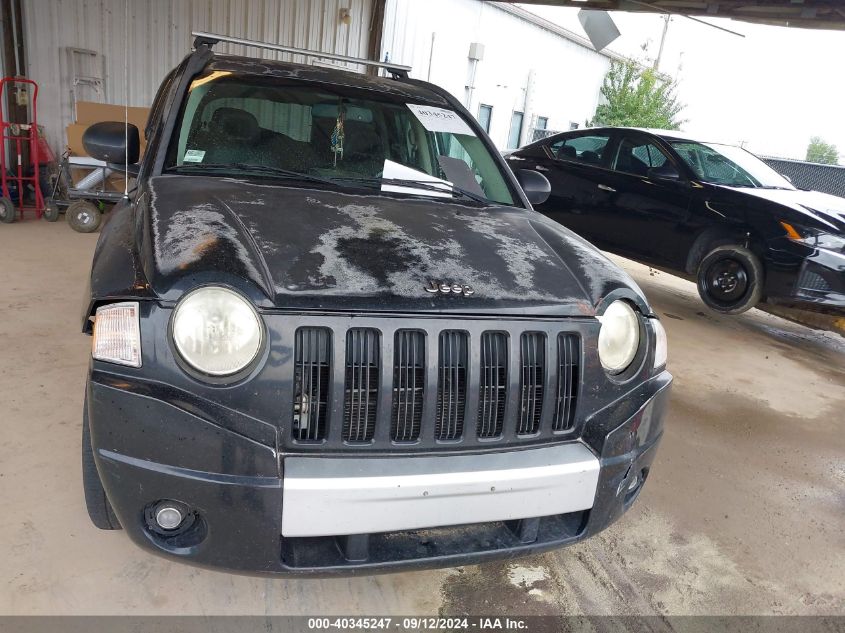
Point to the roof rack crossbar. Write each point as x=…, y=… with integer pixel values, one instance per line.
x=210, y=39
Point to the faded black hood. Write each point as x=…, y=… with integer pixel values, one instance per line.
x=316, y=249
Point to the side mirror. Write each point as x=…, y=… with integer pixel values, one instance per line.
x=109, y=142
x=536, y=186
x=666, y=171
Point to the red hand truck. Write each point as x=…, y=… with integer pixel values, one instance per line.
x=17, y=135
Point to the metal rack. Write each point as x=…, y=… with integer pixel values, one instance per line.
x=210, y=39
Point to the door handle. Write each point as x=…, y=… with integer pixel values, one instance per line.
x=541, y=168
x=606, y=188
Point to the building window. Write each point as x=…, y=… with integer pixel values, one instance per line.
x=542, y=122
x=485, y=113
x=516, y=130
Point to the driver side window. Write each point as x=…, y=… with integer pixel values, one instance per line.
x=637, y=156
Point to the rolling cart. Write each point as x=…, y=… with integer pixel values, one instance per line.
x=14, y=137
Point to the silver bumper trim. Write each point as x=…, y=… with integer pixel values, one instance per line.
x=335, y=496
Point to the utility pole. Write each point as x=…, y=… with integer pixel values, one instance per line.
x=666, y=19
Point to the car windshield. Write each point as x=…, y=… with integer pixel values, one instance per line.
x=332, y=135
x=729, y=165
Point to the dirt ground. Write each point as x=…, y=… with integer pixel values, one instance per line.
x=742, y=514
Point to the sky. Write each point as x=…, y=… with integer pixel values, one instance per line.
x=770, y=90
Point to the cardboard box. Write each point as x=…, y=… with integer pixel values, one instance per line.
x=74, y=139
x=88, y=113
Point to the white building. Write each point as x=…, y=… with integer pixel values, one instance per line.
x=531, y=72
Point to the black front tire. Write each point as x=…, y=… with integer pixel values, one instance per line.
x=730, y=279
x=99, y=509
x=83, y=216
x=8, y=212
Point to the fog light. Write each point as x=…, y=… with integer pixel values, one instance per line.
x=168, y=517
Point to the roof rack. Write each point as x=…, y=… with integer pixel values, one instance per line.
x=210, y=39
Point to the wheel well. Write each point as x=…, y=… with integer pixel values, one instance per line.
x=711, y=238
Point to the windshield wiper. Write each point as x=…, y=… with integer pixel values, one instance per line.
x=250, y=168
x=427, y=185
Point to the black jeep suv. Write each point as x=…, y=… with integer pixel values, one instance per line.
x=330, y=335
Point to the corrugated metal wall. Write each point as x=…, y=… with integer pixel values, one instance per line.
x=159, y=37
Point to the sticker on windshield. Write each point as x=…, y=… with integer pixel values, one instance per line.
x=440, y=120
x=194, y=156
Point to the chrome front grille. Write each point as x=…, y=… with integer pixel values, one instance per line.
x=381, y=385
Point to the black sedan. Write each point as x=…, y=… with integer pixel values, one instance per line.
x=710, y=211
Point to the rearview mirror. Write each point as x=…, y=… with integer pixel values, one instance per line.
x=110, y=142
x=536, y=186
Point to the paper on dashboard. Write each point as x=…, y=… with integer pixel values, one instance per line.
x=399, y=171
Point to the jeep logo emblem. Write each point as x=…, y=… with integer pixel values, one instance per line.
x=446, y=288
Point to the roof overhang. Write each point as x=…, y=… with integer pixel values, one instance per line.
x=817, y=14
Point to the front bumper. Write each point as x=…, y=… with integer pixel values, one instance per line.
x=236, y=485
x=814, y=281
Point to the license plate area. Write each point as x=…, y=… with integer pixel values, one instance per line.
x=343, y=496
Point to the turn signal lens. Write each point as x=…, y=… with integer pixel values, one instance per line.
x=661, y=345
x=791, y=233
x=217, y=331
x=117, y=334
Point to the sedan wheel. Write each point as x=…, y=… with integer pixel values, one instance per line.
x=730, y=279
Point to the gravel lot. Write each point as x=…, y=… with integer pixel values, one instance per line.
x=742, y=514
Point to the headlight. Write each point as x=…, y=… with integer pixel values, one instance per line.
x=216, y=331
x=813, y=237
x=619, y=337
x=661, y=345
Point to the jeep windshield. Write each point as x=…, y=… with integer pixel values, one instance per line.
x=331, y=135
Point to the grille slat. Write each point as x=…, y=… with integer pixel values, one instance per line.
x=493, y=387
x=532, y=366
x=568, y=347
x=451, y=388
x=362, y=384
x=408, y=385
x=311, y=383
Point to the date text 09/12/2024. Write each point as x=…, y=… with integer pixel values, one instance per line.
x=418, y=624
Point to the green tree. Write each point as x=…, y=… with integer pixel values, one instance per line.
x=638, y=96
x=820, y=152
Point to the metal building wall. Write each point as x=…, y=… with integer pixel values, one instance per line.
x=159, y=37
